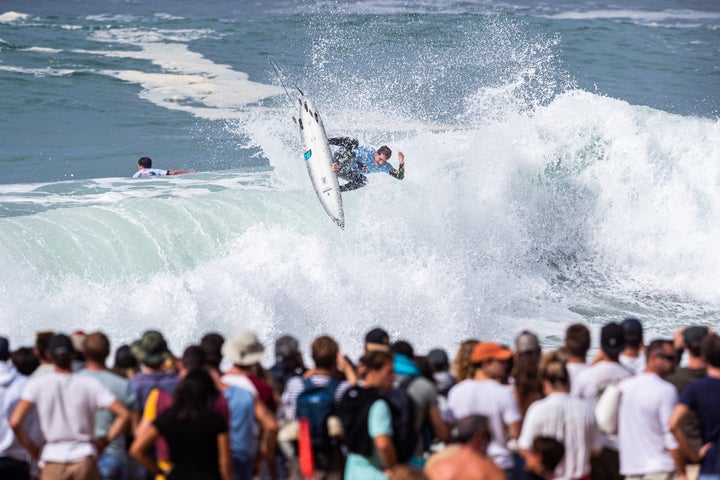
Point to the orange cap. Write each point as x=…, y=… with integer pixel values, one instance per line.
x=490, y=351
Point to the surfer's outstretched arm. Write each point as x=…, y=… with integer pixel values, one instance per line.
x=399, y=172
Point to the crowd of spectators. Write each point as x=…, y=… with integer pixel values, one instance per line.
x=637, y=410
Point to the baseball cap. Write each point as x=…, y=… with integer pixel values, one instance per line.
x=527, y=342
x=490, y=351
x=612, y=338
x=60, y=344
x=694, y=335
x=438, y=360
x=377, y=339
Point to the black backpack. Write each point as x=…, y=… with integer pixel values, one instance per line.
x=355, y=408
x=403, y=410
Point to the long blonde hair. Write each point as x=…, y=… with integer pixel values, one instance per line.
x=463, y=367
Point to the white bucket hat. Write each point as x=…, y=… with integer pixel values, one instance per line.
x=243, y=349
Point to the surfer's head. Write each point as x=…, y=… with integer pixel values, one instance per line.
x=382, y=155
x=145, y=162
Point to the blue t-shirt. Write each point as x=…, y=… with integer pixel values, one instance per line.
x=241, y=404
x=364, y=162
x=150, y=172
x=701, y=396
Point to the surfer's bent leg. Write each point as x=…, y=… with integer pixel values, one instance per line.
x=346, y=143
x=355, y=179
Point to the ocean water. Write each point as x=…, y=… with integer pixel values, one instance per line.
x=562, y=166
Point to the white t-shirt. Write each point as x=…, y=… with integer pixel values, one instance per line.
x=590, y=383
x=634, y=364
x=569, y=420
x=574, y=369
x=66, y=405
x=646, y=403
x=495, y=401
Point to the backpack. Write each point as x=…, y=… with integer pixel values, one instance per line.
x=403, y=410
x=355, y=408
x=317, y=403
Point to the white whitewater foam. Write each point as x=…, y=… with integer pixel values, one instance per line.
x=188, y=81
x=12, y=17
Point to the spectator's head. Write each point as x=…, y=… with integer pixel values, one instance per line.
x=243, y=349
x=41, y=345
x=25, y=360
x=377, y=339
x=194, y=393
x=193, y=358
x=438, y=360
x=492, y=358
x=287, y=351
x=612, y=340
x=61, y=351
x=711, y=350
x=403, y=347
x=151, y=350
x=378, y=367
x=555, y=376
x=78, y=341
x=545, y=455
x=577, y=341
x=693, y=337
x=211, y=344
x=473, y=431
x=124, y=358
x=4, y=349
x=661, y=357
x=632, y=328
x=97, y=347
x=527, y=342
x=463, y=365
x=324, y=352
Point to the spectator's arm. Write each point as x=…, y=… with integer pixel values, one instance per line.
x=269, y=428
x=122, y=418
x=21, y=410
x=225, y=456
x=440, y=428
x=386, y=450
x=146, y=435
x=514, y=429
x=676, y=419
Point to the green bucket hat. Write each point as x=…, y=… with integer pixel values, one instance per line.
x=151, y=349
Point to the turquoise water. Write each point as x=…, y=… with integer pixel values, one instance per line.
x=562, y=166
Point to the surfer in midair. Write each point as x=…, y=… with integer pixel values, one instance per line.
x=353, y=162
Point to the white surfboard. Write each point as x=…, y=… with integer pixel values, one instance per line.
x=318, y=160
